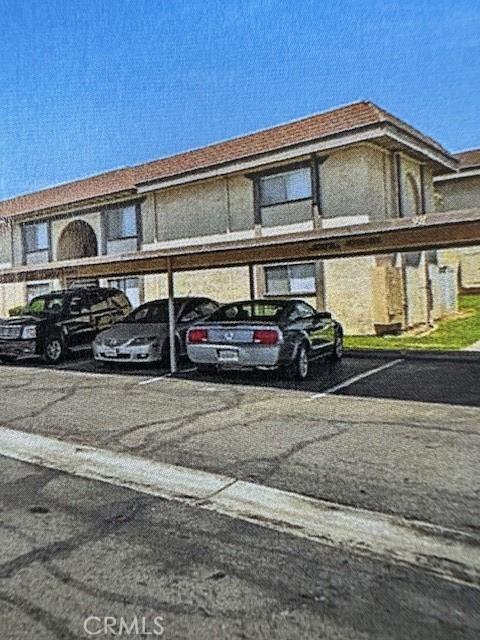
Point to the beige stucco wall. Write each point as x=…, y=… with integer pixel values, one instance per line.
x=11, y=295
x=147, y=215
x=223, y=285
x=5, y=246
x=349, y=293
x=410, y=174
x=416, y=294
x=463, y=193
x=208, y=208
x=357, y=182
x=93, y=219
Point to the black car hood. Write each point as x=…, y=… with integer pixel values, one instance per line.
x=18, y=321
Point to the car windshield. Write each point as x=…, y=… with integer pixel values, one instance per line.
x=151, y=312
x=44, y=304
x=248, y=311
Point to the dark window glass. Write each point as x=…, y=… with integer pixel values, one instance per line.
x=45, y=304
x=151, y=312
x=285, y=187
x=246, y=311
x=198, y=309
x=121, y=223
x=36, y=237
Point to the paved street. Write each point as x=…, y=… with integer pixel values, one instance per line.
x=416, y=454
x=394, y=436
x=73, y=550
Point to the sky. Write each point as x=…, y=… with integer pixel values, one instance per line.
x=91, y=85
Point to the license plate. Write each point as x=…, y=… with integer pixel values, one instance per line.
x=228, y=355
x=110, y=353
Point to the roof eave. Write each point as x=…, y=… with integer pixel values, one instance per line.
x=440, y=159
x=74, y=206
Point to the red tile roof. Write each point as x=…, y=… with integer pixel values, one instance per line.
x=344, y=119
x=468, y=159
x=348, y=118
x=86, y=189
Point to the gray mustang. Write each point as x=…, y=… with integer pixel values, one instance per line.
x=285, y=334
x=143, y=335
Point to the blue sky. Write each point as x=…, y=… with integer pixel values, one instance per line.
x=91, y=85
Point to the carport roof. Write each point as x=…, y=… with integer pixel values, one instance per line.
x=428, y=231
x=354, y=117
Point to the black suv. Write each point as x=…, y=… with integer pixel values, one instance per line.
x=55, y=323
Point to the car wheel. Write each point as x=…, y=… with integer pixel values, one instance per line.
x=298, y=369
x=54, y=350
x=337, y=352
x=207, y=369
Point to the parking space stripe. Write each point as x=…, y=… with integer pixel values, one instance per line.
x=166, y=375
x=150, y=380
x=360, y=376
x=445, y=553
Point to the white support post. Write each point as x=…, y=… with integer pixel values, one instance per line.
x=171, y=319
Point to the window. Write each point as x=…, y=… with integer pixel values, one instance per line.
x=197, y=309
x=302, y=311
x=121, y=223
x=130, y=287
x=249, y=311
x=290, y=279
x=285, y=187
x=151, y=312
x=52, y=303
x=34, y=290
x=36, y=240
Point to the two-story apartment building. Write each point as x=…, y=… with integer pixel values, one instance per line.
x=346, y=166
x=461, y=190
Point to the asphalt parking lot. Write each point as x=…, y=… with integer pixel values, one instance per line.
x=380, y=437
x=386, y=434
x=75, y=551
x=423, y=380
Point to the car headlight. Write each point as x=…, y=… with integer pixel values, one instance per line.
x=143, y=340
x=29, y=332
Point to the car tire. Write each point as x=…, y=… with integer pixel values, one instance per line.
x=298, y=369
x=337, y=352
x=207, y=369
x=54, y=350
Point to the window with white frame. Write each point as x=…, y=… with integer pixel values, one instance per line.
x=36, y=240
x=37, y=289
x=130, y=287
x=285, y=187
x=290, y=279
x=121, y=223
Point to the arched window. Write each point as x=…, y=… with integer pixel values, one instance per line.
x=412, y=200
x=77, y=240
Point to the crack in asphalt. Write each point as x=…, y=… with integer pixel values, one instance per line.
x=275, y=462
x=127, y=511
x=182, y=422
x=56, y=625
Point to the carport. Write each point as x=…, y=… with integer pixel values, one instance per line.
x=451, y=229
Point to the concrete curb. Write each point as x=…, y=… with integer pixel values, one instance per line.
x=449, y=554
